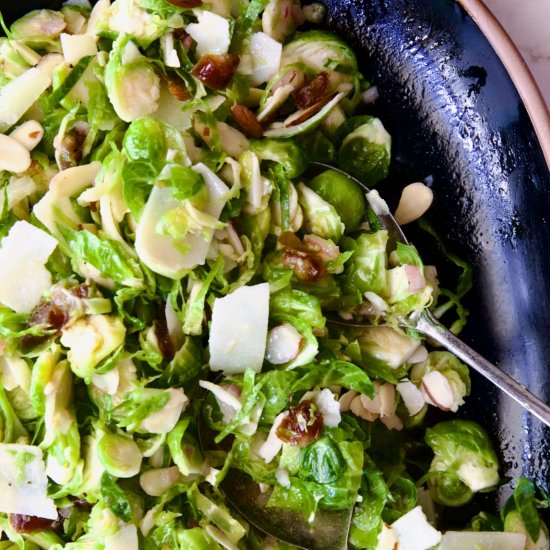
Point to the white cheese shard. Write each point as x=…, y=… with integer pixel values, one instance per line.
x=126, y=538
x=23, y=275
x=159, y=252
x=23, y=482
x=266, y=58
x=272, y=445
x=414, y=532
x=485, y=540
x=239, y=330
x=211, y=33
x=77, y=46
x=19, y=94
x=412, y=397
x=327, y=404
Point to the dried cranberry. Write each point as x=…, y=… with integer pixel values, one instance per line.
x=307, y=267
x=301, y=425
x=71, y=149
x=312, y=92
x=185, y=3
x=28, y=524
x=163, y=336
x=215, y=71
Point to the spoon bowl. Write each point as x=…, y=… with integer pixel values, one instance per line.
x=329, y=528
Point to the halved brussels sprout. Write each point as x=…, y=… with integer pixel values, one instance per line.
x=315, y=49
x=464, y=463
x=132, y=84
x=365, y=152
x=320, y=217
x=119, y=454
x=38, y=27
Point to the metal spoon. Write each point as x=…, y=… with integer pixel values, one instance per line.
x=429, y=326
x=329, y=529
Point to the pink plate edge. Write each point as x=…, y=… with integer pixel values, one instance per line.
x=517, y=69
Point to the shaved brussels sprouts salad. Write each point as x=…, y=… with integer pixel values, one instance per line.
x=168, y=257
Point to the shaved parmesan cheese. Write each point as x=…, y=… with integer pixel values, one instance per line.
x=23, y=482
x=486, y=540
x=23, y=275
x=387, y=539
x=77, y=46
x=412, y=397
x=125, y=538
x=414, y=532
x=270, y=449
x=477, y=476
x=18, y=95
x=239, y=330
x=266, y=58
x=159, y=252
x=211, y=33
x=378, y=204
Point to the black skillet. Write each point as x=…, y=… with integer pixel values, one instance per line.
x=457, y=122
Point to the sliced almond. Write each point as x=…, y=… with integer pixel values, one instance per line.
x=28, y=134
x=156, y=482
x=284, y=343
x=71, y=181
x=392, y=422
x=416, y=198
x=358, y=409
x=419, y=356
x=412, y=397
x=14, y=157
x=438, y=390
x=373, y=405
x=346, y=399
x=304, y=114
x=387, y=399
x=270, y=449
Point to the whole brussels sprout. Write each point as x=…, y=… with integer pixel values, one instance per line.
x=365, y=152
x=287, y=153
x=344, y=194
x=38, y=27
x=464, y=463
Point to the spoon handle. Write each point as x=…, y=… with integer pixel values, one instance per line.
x=430, y=326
